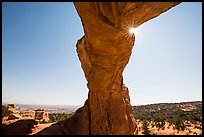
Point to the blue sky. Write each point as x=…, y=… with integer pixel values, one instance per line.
x=40, y=63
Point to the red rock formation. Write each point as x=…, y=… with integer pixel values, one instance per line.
x=13, y=116
x=28, y=114
x=15, y=123
x=18, y=127
x=104, y=52
x=9, y=112
x=40, y=114
x=7, y=109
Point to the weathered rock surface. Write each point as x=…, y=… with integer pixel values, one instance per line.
x=18, y=127
x=13, y=116
x=20, y=123
x=104, y=51
x=28, y=114
x=8, y=109
x=40, y=114
x=9, y=112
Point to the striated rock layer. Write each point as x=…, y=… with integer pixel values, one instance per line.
x=104, y=51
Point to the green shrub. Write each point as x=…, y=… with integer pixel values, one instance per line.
x=56, y=117
x=145, y=128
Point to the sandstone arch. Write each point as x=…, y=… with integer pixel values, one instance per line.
x=104, y=51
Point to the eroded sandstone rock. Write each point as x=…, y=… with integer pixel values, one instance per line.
x=13, y=116
x=9, y=112
x=8, y=109
x=18, y=127
x=104, y=51
x=40, y=114
x=20, y=123
x=28, y=114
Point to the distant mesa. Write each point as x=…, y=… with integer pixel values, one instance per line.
x=40, y=114
x=9, y=113
x=15, y=122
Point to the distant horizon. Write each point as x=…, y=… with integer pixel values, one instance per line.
x=82, y=105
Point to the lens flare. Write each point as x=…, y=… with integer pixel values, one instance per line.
x=132, y=30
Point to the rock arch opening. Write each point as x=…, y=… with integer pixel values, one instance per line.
x=104, y=51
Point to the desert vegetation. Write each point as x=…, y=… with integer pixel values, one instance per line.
x=155, y=119
x=56, y=117
x=162, y=118
x=185, y=116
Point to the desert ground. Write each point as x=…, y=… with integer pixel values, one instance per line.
x=191, y=129
x=39, y=127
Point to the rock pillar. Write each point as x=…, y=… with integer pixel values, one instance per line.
x=108, y=101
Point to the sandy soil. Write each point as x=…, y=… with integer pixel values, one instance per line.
x=40, y=127
x=191, y=129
